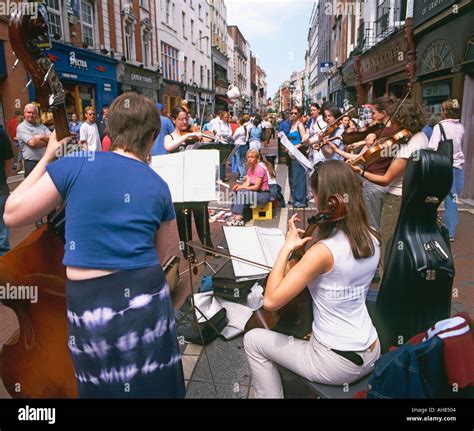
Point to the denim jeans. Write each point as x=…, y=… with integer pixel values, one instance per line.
x=299, y=183
x=450, y=203
x=4, y=243
x=241, y=160
x=373, y=196
x=245, y=198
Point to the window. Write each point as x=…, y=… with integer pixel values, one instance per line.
x=168, y=12
x=200, y=12
x=207, y=18
x=193, y=71
x=208, y=79
x=144, y=4
x=185, y=69
x=54, y=17
x=192, y=31
x=169, y=62
x=201, y=76
x=200, y=40
x=128, y=41
x=146, y=48
x=183, y=23
x=87, y=22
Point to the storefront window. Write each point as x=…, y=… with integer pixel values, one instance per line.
x=434, y=94
x=87, y=13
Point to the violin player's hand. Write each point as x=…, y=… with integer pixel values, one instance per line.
x=55, y=148
x=293, y=239
x=356, y=169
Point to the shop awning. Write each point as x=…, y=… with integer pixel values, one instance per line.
x=225, y=99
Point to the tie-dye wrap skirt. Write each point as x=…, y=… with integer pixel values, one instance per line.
x=122, y=336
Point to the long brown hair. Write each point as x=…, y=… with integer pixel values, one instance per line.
x=335, y=177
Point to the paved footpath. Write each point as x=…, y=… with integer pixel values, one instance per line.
x=228, y=375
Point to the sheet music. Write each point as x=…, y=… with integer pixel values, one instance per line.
x=190, y=175
x=272, y=241
x=169, y=167
x=296, y=153
x=256, y=244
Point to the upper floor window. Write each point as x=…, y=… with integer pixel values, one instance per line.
x=183, y=23
x=54, y=18
x=169, y=62
x=168, y=12
x=128, y=41
x=200, y=12
x=87, y=22
x=144, y=4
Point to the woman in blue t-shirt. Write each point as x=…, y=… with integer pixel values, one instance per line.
x=119, y=216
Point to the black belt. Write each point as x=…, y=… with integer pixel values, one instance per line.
x=351, y=356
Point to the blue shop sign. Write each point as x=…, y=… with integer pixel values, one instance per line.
x=3, y=64
x=83, y=66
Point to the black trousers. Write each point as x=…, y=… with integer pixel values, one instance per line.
x=29, y=166
x=201, y=220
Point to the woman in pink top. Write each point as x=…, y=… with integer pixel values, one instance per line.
x=453, y=129
x=253, y=191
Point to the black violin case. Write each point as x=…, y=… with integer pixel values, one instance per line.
x=415, y=291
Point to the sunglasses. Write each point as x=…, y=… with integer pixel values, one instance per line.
x=294, y=113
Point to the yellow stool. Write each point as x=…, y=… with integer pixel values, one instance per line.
x=263, y=212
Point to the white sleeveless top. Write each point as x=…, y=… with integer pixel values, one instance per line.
x=341, y=320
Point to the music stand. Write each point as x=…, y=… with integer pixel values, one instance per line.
x=183, y=319
x=206, y=235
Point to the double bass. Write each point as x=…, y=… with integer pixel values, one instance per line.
x=35, y=362
x=296, y=317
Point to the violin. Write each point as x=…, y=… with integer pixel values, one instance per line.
x=296, y=317
x=361, y=134
x=381, y=148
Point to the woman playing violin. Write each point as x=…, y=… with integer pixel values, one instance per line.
x=374, y=193
x=338, y=270
x=410, y=117
x=121, y=331
x=334, y=129
x=175, y=142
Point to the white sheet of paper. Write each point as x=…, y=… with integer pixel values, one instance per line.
x=190, y=175
x=296, y=153
x=170, y=168
x=253, y=243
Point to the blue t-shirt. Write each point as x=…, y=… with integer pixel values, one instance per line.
x=167, y=128
x=114, y=206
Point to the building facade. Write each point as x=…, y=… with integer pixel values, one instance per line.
x=220, y=55
x=241, y=69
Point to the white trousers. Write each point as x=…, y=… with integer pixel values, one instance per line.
x=309, y=359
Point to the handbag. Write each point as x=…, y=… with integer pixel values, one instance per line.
x=208, y=330
x=445, y=145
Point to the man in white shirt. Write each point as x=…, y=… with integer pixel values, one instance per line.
x=89, y=132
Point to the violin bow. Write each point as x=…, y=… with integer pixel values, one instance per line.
x=337, y=119
x=394, y=113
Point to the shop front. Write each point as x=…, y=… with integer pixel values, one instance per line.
x=137, y=79
x=349, y=83
x=173, y=93
x=440, y=55
x=335, y=88
x=382, y=70
x=89, y=79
